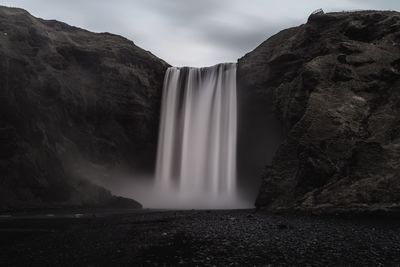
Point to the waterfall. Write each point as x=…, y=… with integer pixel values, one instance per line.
x=196, y=160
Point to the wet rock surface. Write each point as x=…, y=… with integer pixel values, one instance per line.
x=69, y=95
x=197, y=238
x=332, y=84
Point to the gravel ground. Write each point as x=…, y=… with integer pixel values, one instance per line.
x=196, y=238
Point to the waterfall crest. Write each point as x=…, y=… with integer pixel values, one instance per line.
x=196, y=160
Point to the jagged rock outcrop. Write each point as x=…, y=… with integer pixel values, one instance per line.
x=65, y=89
x=334, y=86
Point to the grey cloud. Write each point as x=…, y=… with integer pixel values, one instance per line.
x=186, y=10
x=241, y=39
x=378, y=4
x=191, y=32
x=237, y=40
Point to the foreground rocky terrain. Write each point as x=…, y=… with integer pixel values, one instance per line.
x=333, y=84
x=67, y=93
x=196, y=238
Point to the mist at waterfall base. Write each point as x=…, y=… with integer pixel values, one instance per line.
x=127, y=182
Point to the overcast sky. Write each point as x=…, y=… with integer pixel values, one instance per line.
x=191, y=32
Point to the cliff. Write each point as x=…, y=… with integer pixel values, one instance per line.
x=67, y=92
x=318, y=104
x=333, y=86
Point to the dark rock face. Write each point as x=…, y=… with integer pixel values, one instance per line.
x=65, y=89
x=333, y=84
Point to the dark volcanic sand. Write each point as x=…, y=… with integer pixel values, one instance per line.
x=197, y=238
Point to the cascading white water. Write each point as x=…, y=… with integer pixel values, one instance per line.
x=196, y=160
